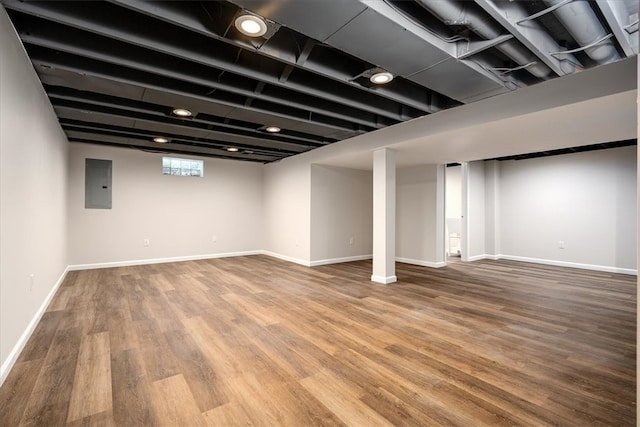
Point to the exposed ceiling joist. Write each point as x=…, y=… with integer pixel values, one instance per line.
x=190, y=18
x=529, y=33
x=619, y=20
x=115, y=71
x=152, y=62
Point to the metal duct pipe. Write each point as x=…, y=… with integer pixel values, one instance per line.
x=454, y=13
x=585, y=28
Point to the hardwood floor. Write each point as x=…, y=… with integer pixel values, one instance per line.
x=258, y=341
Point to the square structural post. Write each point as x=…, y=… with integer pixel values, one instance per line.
x=384, y=216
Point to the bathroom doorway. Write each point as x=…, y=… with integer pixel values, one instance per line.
x=453, y=212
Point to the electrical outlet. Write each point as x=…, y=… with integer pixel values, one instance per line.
x=32, y=279
x=145, y=242
x=561, y=244
x=214, y=238
x=351, y=240
x=297, y=241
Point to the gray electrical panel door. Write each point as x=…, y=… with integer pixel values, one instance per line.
x=97, y=184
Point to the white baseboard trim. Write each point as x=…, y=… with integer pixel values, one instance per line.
x=594, y=267
x=421, y=262
x=287, y=258
x=17, y=349
x=384, y=280
x=339, y=260
x=160, y=260
x=483, y=256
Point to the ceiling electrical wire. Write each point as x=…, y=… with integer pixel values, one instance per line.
x=506, y=70
x=582, y=48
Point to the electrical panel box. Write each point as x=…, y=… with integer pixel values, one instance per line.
x=97, y=184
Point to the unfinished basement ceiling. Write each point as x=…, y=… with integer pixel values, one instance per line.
x=115, y=71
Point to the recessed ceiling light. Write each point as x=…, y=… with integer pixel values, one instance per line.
x=160, y=140
x=381, y=78
x=181, y=112
x=232, y=149
x=272, y=129
x=251, y=25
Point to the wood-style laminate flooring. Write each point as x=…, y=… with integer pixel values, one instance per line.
x=257, y=341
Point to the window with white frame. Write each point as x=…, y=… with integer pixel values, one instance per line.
x=182, y=167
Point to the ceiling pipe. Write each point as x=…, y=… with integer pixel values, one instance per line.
x=582, y=23
x=454, y=13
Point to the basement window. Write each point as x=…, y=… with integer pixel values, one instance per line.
x=182, y=167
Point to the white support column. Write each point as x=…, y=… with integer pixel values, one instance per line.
x=441, y=190
x=384, y=216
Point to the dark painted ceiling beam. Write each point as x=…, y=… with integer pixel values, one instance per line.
x=140, y=110
x=83, y=66
x=174, y=139
x=189, y=15
x=159, y=64
x=98, y=24
x=176, y=124
x=171, y=150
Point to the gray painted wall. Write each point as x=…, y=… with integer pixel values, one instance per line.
x=180, y=216
x=33, y=195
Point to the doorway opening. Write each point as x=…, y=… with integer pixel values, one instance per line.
x=453, y=212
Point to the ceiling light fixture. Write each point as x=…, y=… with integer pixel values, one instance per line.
x=182, y=112
x=272, y=129
x=381, y=77
x=232, y=149
x=251, y=25
x=160, y=140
